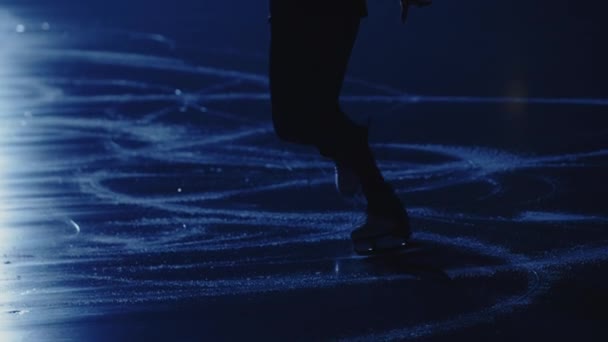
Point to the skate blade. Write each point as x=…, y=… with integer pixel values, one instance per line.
x=379, y=245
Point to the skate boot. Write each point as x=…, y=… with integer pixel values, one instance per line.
x=386, y=228
x=347, y=181
x=379, y=235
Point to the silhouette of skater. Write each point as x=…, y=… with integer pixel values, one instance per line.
x=311, y=44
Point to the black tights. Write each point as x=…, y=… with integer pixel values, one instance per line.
x=308, y=61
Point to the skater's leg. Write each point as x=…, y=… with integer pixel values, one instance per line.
x=308, y=60
x=309, y=57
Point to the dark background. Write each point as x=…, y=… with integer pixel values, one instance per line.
x=455, y=47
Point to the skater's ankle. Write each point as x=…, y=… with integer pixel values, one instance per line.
x=385, y=203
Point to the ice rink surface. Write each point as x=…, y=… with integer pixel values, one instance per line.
x=144, y=195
